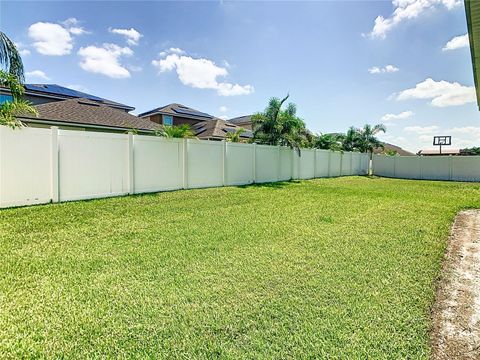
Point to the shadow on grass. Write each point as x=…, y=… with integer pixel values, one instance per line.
x=270, y=185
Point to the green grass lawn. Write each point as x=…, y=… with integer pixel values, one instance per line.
x=341, y=268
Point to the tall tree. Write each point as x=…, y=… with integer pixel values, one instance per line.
x=368, y=140
x=350, y=140
x=275, y=126
x=10, y=59
x=328, y=142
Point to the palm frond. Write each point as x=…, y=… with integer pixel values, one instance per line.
x=10, y=59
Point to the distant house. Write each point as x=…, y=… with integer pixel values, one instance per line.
x=390, y=147
x=242, y=121
x=87, y=115
x=218, y=129
x=46, y=93
x=175, y=114
x=203, y=125
x=436, y=152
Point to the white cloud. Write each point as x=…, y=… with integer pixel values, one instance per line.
x=201, y=74
x=382, y=70
x=467, y=130
x=401, y=116
x=22, y=50
x=406, y=10
x=223, y=117
x=223, y=109
x=457, y=42
x=132, y=36
x=36, y=74
x=442, y=93
x=55, y=39
x=105, y=60
x=50, y=39
x=421, y=130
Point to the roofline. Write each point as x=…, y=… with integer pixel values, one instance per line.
x=468, y=14
x=75, y=124
x=151, y=113
x=63, y=97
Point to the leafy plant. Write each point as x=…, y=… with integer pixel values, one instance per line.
x=9, y=110
x=367, y=140
x=470, y=151
x=328, y=142
x=391, y=152
x=180, y=131
x=235, y=136
x=275, y=126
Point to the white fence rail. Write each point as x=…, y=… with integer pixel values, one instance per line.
x=50, y=165
x=456, y=168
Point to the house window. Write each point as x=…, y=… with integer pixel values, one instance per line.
x=5, y=98
x=167, y=120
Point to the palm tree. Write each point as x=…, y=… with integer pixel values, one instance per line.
x=351, y=140
x=275, y=126
x=328, y=142
x=368, y=140
x=10, y=109
x=235, y=136
x=10, y=59
x=180, y=131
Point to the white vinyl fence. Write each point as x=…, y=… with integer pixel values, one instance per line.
x=50, y=165
x=456, y=168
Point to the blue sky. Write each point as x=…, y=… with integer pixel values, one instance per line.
x=343, y=63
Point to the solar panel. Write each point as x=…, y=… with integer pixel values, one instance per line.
x=192, y=113
x=60, y=90
x=246, y=133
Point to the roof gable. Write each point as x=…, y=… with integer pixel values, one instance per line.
x=87, y=112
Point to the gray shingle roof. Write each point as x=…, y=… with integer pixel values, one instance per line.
x=88, y=112
x=178, y=110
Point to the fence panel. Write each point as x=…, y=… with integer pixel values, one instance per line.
x=307, y=164
x=204, y=163
x=335, y=163
x=286, y=163
x=239, y=164
x=383, y=165
x=266, y=163
x=92, y=165
x=158, y=164
x=408, y=167
x=346, y=167
x=466, y=168
x=435, y=168
x=25, y=166
x=322, y=159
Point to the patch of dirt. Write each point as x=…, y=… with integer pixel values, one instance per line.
x=456, y=312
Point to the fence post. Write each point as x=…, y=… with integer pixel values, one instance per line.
x=254, y=162
x=351, y=163
x=224, y=163
x=314, y=163
x=450, y=167
x=131, y=185
x=341, y=162
x=394, y=166
x=54, y=161
x=185, y=163
x=278, y=162
x=329, y=163
x=420, y=160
